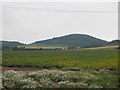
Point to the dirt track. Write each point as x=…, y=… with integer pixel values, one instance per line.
x=19, y=68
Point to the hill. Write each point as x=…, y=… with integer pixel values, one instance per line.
x=72, y=41
x=115, y=42
x=10, y=44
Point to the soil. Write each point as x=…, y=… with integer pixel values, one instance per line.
x=2, y=68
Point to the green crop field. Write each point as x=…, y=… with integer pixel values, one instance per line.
x=106, y=58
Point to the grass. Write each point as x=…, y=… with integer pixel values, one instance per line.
x=106, y=58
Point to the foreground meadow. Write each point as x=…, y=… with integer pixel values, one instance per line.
x=62, y=69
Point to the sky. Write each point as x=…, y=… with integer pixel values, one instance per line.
x=28, y=22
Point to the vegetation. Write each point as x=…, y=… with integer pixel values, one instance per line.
x=45, y=45
x=97, y=68
x=73, y=40
x=10, y=44
x=60, y=79
x=115, y=42
x=106, y=58
x=64, y=69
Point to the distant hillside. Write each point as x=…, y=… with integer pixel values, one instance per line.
x=71, y=41
x=115, y=42
x=10, y=44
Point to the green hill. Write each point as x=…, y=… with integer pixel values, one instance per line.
x=72, y=41
x=10, y=44
x=115, y=42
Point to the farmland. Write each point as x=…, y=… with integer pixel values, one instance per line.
x=105, y=58
x=97, y=68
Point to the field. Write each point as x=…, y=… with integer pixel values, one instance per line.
x=97, y=68
x=106, y=58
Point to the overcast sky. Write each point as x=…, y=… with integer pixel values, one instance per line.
x=29, y=22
